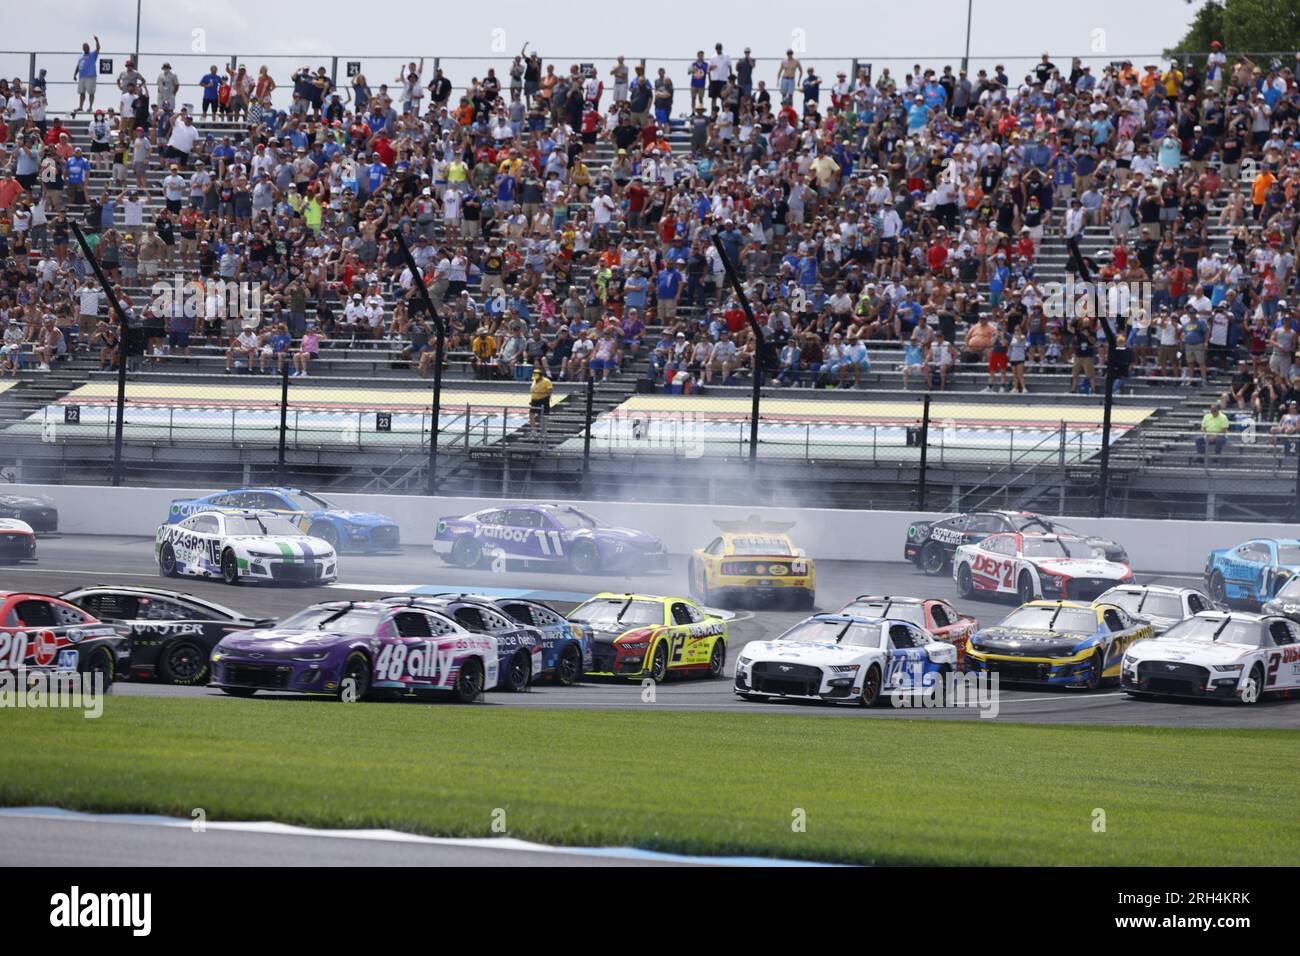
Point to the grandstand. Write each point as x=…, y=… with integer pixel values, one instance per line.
x=854, y=446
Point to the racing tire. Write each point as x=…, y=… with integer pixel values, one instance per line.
x=932, y=559
x=167, y=561
x=229, y=567
x=239, y=691
x=469, y=681
x=584, y=558
x=466, y=553
x=1025, y=588
x=717, y=660
x=1098, y=666
x=659, y=663
x=183, y=663
x=1218, y=588
x=568, y=669
x=326, y=532
x=755, y=698
x=965, y=583
x=519, y=673
x=871, y=686
x=100, y=661
x=356, y=670
x=1252, y=692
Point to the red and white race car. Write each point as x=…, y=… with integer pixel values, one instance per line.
x=17, y=540
x=1034, y=566
x=940, y=618
x=43, y=633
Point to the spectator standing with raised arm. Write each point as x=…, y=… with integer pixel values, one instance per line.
x=86, y=75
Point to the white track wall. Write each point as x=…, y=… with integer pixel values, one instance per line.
x=1153, y=545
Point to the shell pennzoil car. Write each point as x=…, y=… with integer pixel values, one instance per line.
x=645, y=635
x=1065, y=643
x=753, y=562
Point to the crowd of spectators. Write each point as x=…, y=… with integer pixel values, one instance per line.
x=876, y=221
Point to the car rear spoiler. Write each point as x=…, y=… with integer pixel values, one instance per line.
x=754, y=524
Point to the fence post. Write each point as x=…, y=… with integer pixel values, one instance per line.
x=925, y=442
x=123, y=328
x=760, y=351
x=284, y=419
x=586, y=432
x=1297, y=480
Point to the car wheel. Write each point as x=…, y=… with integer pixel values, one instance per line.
x=469, y=681
x=584, y=558
x=326, y=532
x=753, y=697
x=659, y=663
x=466, y=553
x=229, y=567
x=871, y=687
x=1218, y=588
x=965, y=585
x=933, y=558
x=1025, y=588
x=717, y=659
x=1252, y=691
x=239, y=691
x=1094, y=674
x=184, y=663
x=167, y=561
x=568, y=670
x=100, y=662
x=354, y=682
x=518, y=673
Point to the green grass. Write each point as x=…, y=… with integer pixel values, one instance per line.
x=874, y=791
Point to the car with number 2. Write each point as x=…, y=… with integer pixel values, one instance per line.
x=1031, y=566
x=240, y=546
x=350, y=650
x=844, y=658
x=651, y=636
x=931, y=545
x=1218, y=655
x=1252, y=572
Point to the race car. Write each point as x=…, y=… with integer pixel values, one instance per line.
x=43, y=633
x=350, y=650
x=566, y=646
x=1223, y=655
x=1068, y=643
x=238, y=546
x=354, y=531
x=940, y=618
x=39, y=512
x=752, y=561
x=1253, y=571
x=551, y=534
x=17, y=541
x=1160, y=605
x=846, y=658
x=931, y=545
x=1286, y=603
x=519, y=646
x=171, y=634
x=644, y=635
x=1033, y=566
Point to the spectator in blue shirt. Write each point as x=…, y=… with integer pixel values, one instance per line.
x=86, y=74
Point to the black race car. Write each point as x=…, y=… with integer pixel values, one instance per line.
x=39, y=513
x=172, y=634
x=930, y=544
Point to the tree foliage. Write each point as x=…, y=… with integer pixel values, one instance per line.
x=1252, y=26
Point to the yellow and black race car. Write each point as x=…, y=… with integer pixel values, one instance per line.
x=644, y=635
x=753, y=562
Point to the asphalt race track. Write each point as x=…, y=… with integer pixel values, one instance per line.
x=75, y=560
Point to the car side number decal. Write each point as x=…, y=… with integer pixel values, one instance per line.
x=551, y=543
x=1003, y=571
x=677, y=644
x=13, y=647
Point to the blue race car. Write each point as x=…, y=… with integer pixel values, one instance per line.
x=1253, y=571
x=547, y=533
x=566, y=646
x=344, y=530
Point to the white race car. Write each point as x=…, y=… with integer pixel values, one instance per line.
x=843, y=657
x=1223, y=655
x=1033, y=566
x=243, y=546
x=1160, y=605
x=17, y=540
